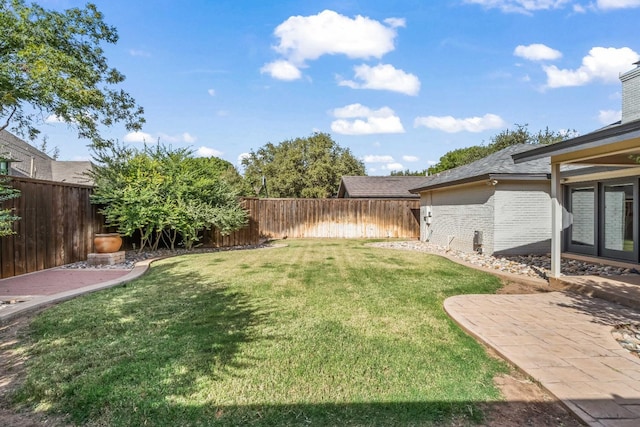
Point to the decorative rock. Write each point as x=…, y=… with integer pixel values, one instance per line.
x=527, y=265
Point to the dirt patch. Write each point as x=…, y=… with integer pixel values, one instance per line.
x=12, y=374
x=526, y=403
x=525, y=287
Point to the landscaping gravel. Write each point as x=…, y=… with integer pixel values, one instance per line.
x=132, y=257
x=528, y=265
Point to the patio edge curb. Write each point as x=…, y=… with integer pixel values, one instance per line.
x=14, y=311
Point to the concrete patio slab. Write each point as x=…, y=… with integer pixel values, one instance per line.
x=562, y=340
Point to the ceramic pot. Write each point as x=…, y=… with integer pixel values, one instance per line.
x=107, y=243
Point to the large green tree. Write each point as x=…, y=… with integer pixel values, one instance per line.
x=163, y=194
x=303, y=167
x=52, y=63
x=504, y=139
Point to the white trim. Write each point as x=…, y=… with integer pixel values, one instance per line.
x=556, y=220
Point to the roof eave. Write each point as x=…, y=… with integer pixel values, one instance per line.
x=601, y=137
x=485, y=177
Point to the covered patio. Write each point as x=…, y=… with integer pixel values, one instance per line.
x=595, y=186
x=594, y=203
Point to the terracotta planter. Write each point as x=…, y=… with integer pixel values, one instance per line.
x=107, y=243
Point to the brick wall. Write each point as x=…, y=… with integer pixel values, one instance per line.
x=457, y=213
x=522, y=218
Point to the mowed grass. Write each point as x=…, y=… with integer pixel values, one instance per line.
x=320, y=332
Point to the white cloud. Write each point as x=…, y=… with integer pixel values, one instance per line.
x=212, y=92
x=609, y=116
x=393, y=167
x=162, y=137
x=383, y=77
x=602, y=64
x=184, y=137
x=452, y=125
x=520, y=6
x=54, y=119
x=138, y=137
x=378, y=159
x=241, y=156
x=537, y=52
x=187, y=137
x=617, y=4
x=356, y=119
x=282, y=70
x=410, y=158
x=305, y=38
x=207, y=152
x=396, y=22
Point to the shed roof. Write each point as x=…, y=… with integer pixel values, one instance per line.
x=379, y=187
x=498, y=165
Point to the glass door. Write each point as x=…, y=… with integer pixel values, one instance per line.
x=582, y=229
x=619, y=237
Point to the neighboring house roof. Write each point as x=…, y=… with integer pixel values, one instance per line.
x=30, y=162
x=499, y=166
x=33, y=163
x=72, y=171
x=617, y=132
x=378, y=187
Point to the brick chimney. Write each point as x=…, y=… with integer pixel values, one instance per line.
x=631, y=94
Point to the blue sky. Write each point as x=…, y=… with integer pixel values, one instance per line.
x=400, y=83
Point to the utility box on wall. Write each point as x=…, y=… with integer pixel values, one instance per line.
x=477, y=241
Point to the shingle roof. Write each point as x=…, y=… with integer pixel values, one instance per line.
x=379, y=187
x=30, y=160
x=75, y=172
x=497, y=165
x=33, y=163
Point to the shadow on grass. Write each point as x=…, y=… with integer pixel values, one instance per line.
x=385, y=414
x=139, y=347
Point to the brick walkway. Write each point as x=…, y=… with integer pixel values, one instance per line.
x=53, y=281
x=563, y=341
x=33, y=290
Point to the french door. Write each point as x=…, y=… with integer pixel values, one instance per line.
x=603, y=219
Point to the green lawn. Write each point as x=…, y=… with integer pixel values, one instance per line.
x=321, y=332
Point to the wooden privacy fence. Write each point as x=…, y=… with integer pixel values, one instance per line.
x=58, y=223
x=56, y=227
x=336, y=218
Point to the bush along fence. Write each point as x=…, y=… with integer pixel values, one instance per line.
x=58, y=223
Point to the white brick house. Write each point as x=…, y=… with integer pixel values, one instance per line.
x=491, y=205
